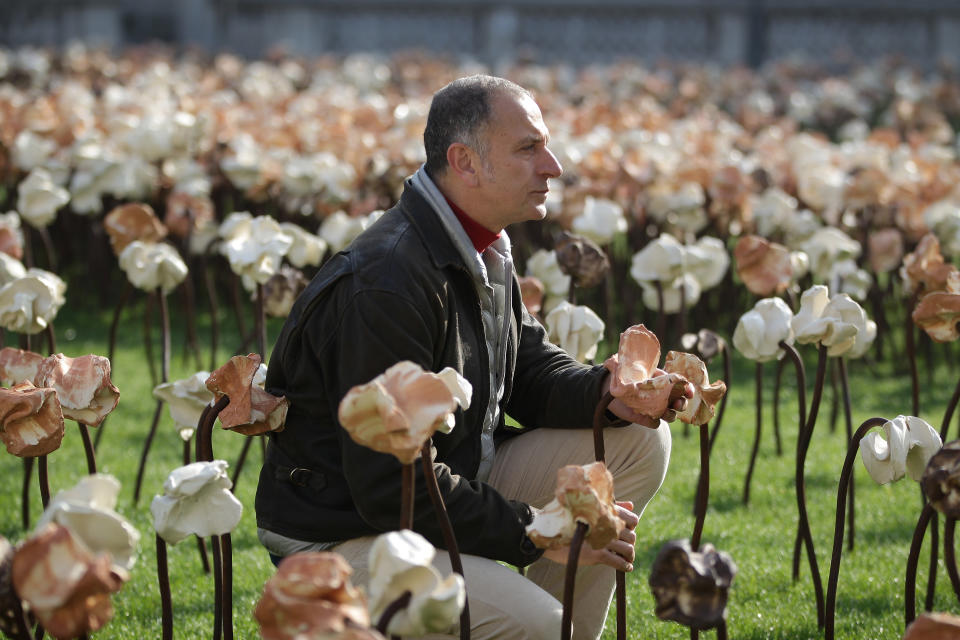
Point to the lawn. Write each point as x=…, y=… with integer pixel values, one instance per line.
x=764, y=601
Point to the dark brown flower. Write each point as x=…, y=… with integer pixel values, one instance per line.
x=281, y=291
x=941, y=480
x=581, y=259
x=691, y=587
x=763, y=266
x=185, y=213
x=133, y=221
x=252, y=410
x=704, y=343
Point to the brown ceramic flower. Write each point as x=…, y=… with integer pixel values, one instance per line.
x=185, y=213
x=705, y=343
x=587, y=492
x=634, y=377
x=31, y=420
x=532, y=292
x=11, y=240
x=281, y=291
x=581, y=259
x=17, y=365
x=937, y=313
x=941, y=480
x=763, y=266
x=885, y=249
x=310, y=595
x=700, y=407
x=13, y=624
x=82, y=384
x=133, y=221
x=252, y=410
x=65, y=586
x=691, y=587
x=934, y=626
x=925, y=270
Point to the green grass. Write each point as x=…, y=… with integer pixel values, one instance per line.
x=764, y=601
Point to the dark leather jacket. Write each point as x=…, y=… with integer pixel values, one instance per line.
x=401, y=291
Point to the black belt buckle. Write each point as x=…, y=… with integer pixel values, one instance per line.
x=300, y=476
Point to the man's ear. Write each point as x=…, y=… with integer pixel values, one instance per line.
x=464, y=163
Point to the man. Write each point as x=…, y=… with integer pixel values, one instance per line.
x=433, y=282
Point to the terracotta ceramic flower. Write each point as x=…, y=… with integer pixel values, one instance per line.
x=934, y=626
x=29, y=304
x=764, y=266
x=65, y=585
x=633, y=373
x=13, y=624
x=401, y=408
x=186, y=399
x=760, y=331
x=886, y=249
x=31, y=421
x=941, y=480
x=909, y=444
x=937, y=313
x=186, y=213
x=576, y=329
x=133, y=221
x=197, y=501
x=252, y=410
x=531, y=292
x=82, y=384
x=17, y=365
x=691, y=587
x=11, y=236
x=401, y=561
x=88, y=510
x=583, y=494
x=706, y=395
x=310, y=596
x=924, y=270
x=581, y=259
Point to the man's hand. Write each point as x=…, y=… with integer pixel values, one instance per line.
x=618, y=553
x=619, y=409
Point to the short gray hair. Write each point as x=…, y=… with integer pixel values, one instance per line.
x=459, y=112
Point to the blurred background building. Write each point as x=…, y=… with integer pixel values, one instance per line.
x=574, y=31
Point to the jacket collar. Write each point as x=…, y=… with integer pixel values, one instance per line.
x=443, y=249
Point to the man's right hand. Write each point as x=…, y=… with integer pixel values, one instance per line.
x=619, y=553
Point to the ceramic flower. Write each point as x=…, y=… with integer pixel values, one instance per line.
x=826, y=247
x=576, y=329
x=680, y=205
x=581, y=259
x=197, y=501
x=10, y=269
x=401, y=561
x=848, y=310
x=682, y=293
x=706, y=395
x=254, y=246
x=691, y=587
x=764, y=266
x=707, y=344
x=937, y=313
x=13, y=620
x=186, y=215
x=281, y=291
x=153, y=265
x=941, y=480
x=82, y=384
x=924, y=270
x=600, y=221
x=933, y=626
x=88, y=510
x=943, y=219
x=29, y=304
x=17, y=365
x=545, y=267
x=760, y=330
x=133, y=221
x=31, y=421
x=310, y=596
x=771, y=210
x=662, y=260
x=251, y=410
x=531, y=292
x=885, y=248
x=307, y=249
x=707, y=260
x=338, y=230
x=11, y=235
x=583, y=494
x=400, y=409
x=848, y=278
x=909, y=444
x=39, y=198
x=634, y=378
x=186, y=399
x=820, y=322
x=65, y=585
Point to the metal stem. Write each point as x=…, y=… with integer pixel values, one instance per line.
x=912, y=356
x=727, y=378
x=756, y=439
x=949, y=554
x=948, y=414
x=88, y=448
x=776, y=406
x=407, y=485
x=44, y=480
x=703, y=487
x=848, y=419
x=25, y=492
x=393, y=609
x=910, y=582
x=163, y=578
x=566, y=628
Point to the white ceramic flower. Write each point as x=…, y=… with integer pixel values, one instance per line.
x=339, y=229
x=661, y=260
x=307, y=248
x=401, y=561
x=909, y=444
x=707, y=260
x=196, y=500
x=186, y=399
x=943, y=218
x=821, y=186
x=88, y=510
x=10, y=269
x=600, y=221
x=679, y=205
x=39, y=198
x=848, y=278
x=681, y=293
x=30, y=303
x=760, y=330
x=153, y=265
x=254, y=246
x=820, y=320
x=243, y=167
x=825, y=248
x=543, y=266
x=31, y=150
x=771, y=211
x=576, y=329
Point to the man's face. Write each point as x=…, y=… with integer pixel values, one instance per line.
x=517, y=165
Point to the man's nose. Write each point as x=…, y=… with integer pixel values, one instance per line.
x=550, y=166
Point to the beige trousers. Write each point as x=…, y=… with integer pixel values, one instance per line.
x=505, y=605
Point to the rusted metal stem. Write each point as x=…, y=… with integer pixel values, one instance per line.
x=621, y=605
x=913, y=559
x=661, y=316
x=241, y=460
x=163, y=578
x=51, y=339
x=214, y=312
x=848, y=420
x=703, y=487
x=146, y=451
x=845, y=474
x=44, y=480
x=407, y=486
x=88, y=448
x=217, y=587
x=948, y=414
x=756, y=439
x=393, y=609
x=189, y=301
x=226, y=552
x=570, y=579
x=727, y=378
x=912, y=356
x=934, y=553
x=949, y=554
x=776, y=406
x=25, y=492
x=148, y=340
x=599, y=452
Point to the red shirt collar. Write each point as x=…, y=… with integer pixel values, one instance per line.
x=480, y=236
